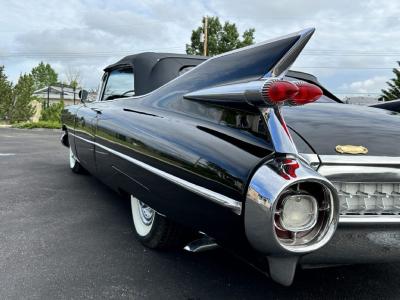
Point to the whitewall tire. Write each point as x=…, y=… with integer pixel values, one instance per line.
x=74, y=164
x=156, y=231
x=143, y=217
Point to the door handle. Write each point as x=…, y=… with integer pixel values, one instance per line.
x=98, y=110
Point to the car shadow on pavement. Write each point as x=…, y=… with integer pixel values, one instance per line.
x=218, y=274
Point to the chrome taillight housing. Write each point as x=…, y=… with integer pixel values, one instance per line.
x=290, y=208
x=309, y=214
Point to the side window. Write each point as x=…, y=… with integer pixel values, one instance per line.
x=120, y=83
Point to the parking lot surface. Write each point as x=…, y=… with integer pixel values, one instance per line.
x=66, y=236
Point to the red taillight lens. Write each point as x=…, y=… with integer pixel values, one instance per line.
x=290, y=166
x=307, y=93
x=279, y=91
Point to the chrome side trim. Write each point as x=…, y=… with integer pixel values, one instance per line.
x=359, y=160
x=381, y=219
x=235, y=206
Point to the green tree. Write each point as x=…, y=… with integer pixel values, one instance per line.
x=73, y=77
x=393, y=91
x=53, y=112
x=44, y=75
x=6, y=95
x=221, y=38
x=22, y=109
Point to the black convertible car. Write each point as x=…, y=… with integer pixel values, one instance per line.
x=200, y=147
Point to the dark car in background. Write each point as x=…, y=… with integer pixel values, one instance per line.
x=201, y=148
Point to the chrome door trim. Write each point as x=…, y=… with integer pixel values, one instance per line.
x=235, y=206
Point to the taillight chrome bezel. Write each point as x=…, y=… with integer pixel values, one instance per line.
x=263, y=203
x=317, y=234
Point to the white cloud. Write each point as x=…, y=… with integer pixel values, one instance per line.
x=89, y=34
x=366, y=86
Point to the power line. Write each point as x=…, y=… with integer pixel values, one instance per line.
x=355, y=93
x=310, y=52
x=346, y=68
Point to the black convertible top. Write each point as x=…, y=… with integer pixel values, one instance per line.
x=155, y=69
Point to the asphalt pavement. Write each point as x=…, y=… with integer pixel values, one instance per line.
x=67, y=236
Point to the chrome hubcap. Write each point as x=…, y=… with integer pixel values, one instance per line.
x=146, y=213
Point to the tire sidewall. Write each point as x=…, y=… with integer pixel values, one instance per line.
x=152, y=231
x=73, y=162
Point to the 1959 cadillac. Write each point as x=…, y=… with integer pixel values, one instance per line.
x=201, y=148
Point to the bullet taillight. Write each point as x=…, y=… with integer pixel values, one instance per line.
x=295, y=93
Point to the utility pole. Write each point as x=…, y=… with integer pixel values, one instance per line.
x=48, y=96
x=205, y=30
x=62, y=91
x=74, y=93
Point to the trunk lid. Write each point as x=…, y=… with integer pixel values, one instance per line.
x=326, y=125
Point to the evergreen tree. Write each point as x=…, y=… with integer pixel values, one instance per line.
x=22, y=109
x=220, y=38
x=6, y=95
x=43, y=76
x=393, y=92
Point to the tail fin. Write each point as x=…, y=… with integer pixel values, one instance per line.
x=269, y=58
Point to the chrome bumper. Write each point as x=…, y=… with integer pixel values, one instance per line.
x=367, y=235
x=358, y=243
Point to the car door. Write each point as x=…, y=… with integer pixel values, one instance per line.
x=85, y=130
x=117, y=85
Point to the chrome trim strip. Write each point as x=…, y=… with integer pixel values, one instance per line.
x=311, y=159
x=381, y=219
x=235, y=206
x=359, y=160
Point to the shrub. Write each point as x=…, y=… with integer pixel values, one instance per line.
x=40, y=124
x=53, y=112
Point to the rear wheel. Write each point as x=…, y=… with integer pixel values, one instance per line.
x=74, y=164
x=156, y=231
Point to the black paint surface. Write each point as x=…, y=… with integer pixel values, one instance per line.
x=66, y=236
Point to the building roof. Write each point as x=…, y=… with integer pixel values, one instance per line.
x=55, y=92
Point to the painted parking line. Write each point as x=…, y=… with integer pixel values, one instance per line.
x=7, y=154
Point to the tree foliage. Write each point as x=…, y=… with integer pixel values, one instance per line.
x=221, y=38
x=53, y=112
x=6, y=95
x=22, y=109
x=393, y=91
x=44, y=75
x=73, y=77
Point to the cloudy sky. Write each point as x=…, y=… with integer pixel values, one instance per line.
x=352, y=52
